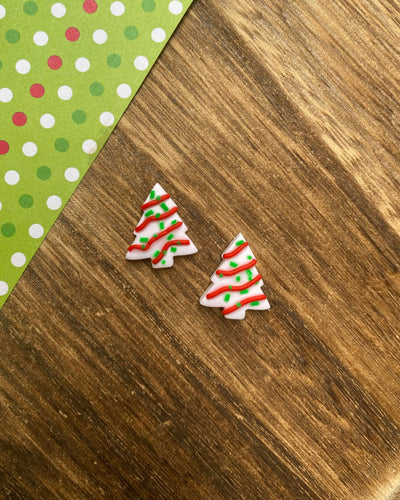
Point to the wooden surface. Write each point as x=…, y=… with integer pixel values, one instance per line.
x=278, y=119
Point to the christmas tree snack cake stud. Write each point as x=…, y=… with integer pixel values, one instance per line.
x=236, y=284
x=161, y=233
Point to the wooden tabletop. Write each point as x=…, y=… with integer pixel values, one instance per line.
x=279, y=120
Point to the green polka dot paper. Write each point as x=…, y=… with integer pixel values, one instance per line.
x=67, y=72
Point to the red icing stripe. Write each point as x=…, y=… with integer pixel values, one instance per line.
x=155, y=202
x=237, y=269
x=155, y=238
x=236, y=251
x=238, y=288
x=166, y=246
x=256, y=298
x=153, y=217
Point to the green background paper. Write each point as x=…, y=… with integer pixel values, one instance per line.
x=43, y=160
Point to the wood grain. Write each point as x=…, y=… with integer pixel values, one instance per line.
x=278, y=119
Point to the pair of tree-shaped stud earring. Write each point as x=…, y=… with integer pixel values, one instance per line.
x=161, y=236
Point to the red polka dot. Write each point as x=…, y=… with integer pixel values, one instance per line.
x=4, y=147
x=72, y=34
x=90, y=6
x=54, y=62
x=37, y=90
x=19, y=119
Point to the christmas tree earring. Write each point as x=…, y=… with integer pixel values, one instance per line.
x=161, y=233
x=236, y=284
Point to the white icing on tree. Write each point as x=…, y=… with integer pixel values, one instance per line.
x=236, y=284
x=161, y=233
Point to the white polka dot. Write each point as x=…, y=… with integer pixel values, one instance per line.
x=22, y=66
x=141, y=63
x=89, y=146
x=40, y=38
x=158, y=35
x=124, y=90
x=11, y=177
x=107, y=119
x=29, y=149
x=58, y=10
x=64, y=92
x=117, y=8
x=18, y=259
x=175, y=7
x=47, y=120
x=71, y=174
x=82, y=64
x=100, y=36
x=54, y=202
x=5, y=95
x=2, y=14
x=36, y=231
x=3, y=288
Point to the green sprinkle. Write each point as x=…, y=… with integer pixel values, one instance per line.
x=143, y=247
x=157, y=216
x=179, y=243
x=169, y=237
x=152, y=194
x=233, y=264
x=221, y=275
x=158, y=198
x=238, y=243
x=163, y=262
x=244, y=291
x=237, y=278
x=164, y=207
x=255, y=303
x=161, y=225
x=230, y=287
x=239, y=304
x=173, y=249
x=174, y=222
x=156, y=253
x=249, y=257
x=155, y=235
x=227, y=297
x=144, y=240
x=150, y=212
x=249, y=274
x=164, y=252
x=257, y=282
